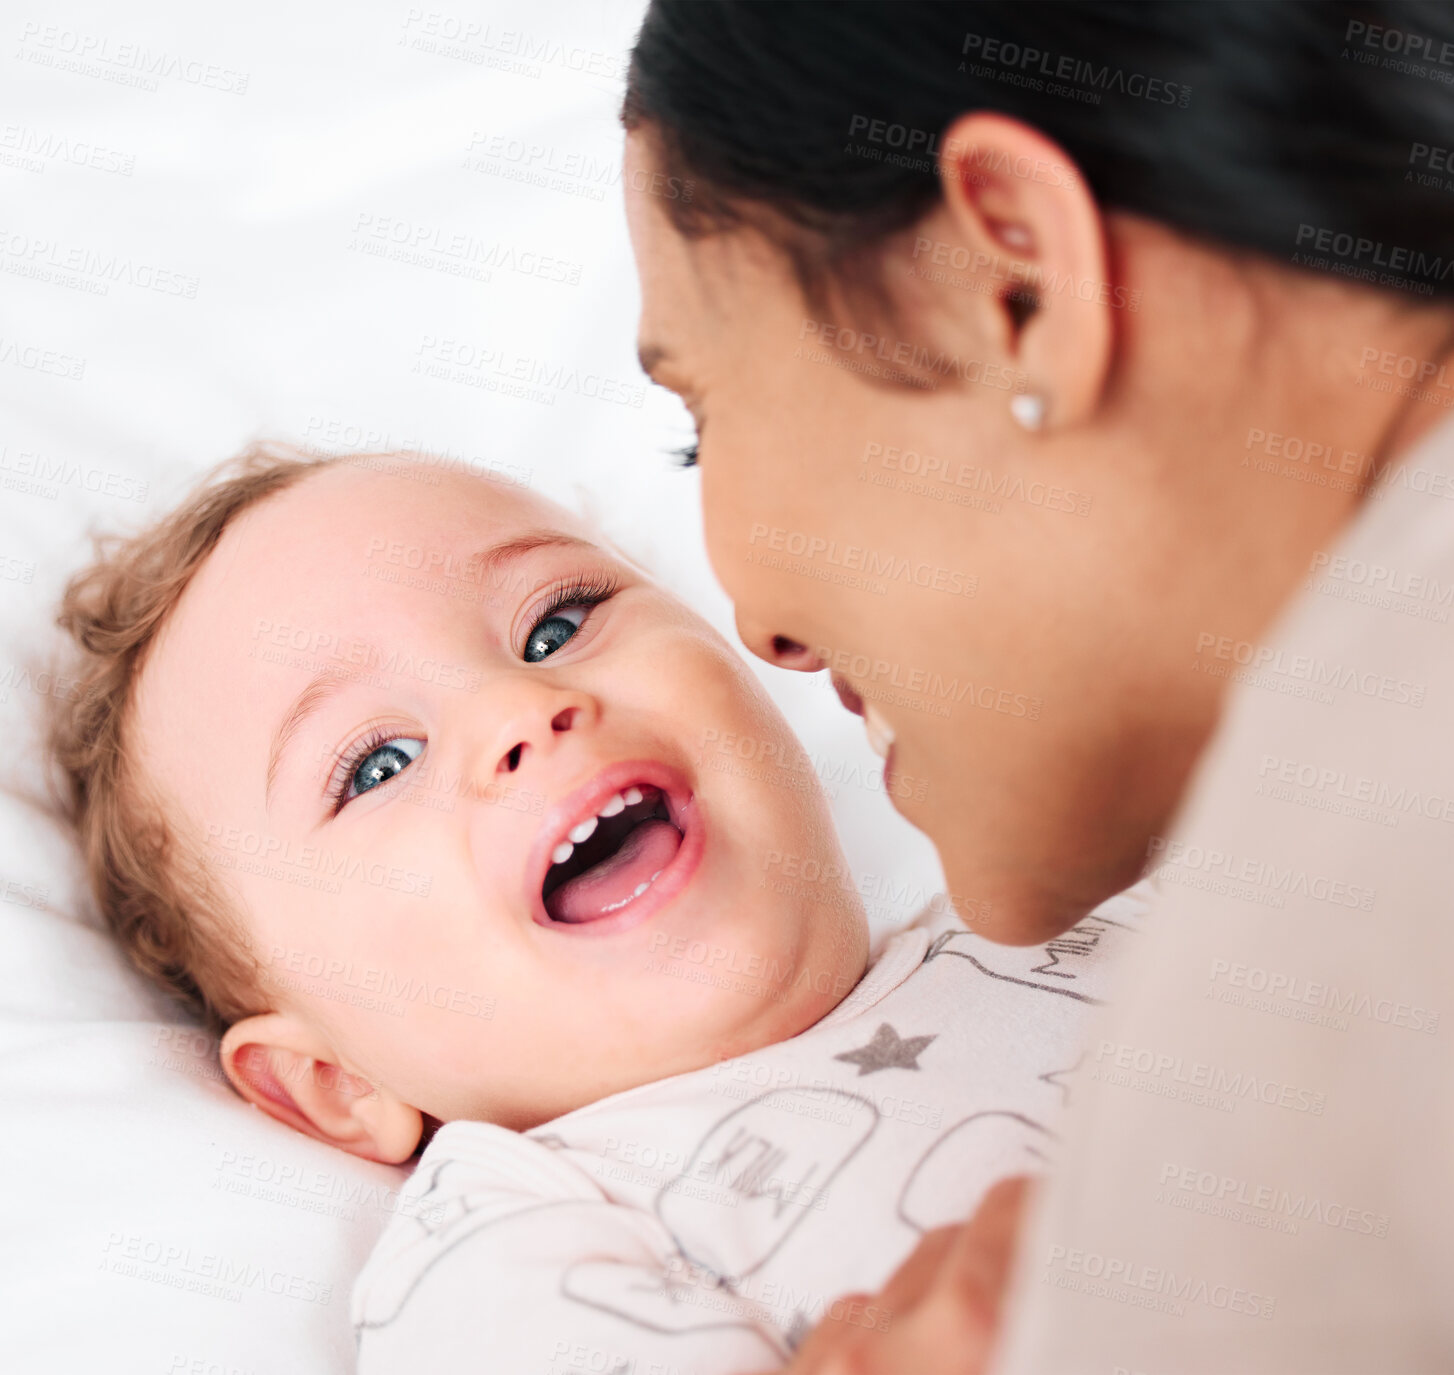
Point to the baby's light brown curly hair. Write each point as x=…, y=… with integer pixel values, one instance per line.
x=142, y=868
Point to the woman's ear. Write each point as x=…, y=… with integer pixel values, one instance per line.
x=1018, y=213
x=280, y=1064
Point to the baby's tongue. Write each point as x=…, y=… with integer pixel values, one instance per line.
x=610, y=885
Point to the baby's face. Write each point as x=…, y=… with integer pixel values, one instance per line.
x=453, y=762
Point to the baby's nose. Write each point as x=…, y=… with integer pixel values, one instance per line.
x=564, y=720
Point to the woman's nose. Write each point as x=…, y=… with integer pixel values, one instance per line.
x=777, y=648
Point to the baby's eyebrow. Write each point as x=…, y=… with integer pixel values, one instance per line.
x=487, y=560
x=318, y=691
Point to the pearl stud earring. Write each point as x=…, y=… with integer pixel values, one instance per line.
x=1028, y=408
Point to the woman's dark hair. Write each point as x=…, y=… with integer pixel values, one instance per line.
x=1318, y=134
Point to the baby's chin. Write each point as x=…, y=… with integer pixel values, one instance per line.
x=696, y=1036
x=762, y=1016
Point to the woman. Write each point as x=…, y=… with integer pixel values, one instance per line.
x=1069, y=382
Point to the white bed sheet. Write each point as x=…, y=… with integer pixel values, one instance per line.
x=225, y=223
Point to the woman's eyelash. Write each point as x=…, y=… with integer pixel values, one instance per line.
x=686, y=457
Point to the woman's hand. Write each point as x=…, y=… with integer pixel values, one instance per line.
x=944, y=1302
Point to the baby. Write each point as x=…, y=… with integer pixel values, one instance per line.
x=364, y=724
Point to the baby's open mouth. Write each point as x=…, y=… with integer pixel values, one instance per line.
x=609, y=860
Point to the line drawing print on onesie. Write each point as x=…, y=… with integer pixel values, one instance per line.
x=442, y=1221
x=662, y=1299
x=1014, y=1142
x=769, y=1185
x=1027, y=965
x=934, y=1195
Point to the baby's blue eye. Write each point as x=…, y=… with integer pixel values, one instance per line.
x=553, y=631
x=382, y=763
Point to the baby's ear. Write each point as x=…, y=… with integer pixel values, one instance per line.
x=281, y=1065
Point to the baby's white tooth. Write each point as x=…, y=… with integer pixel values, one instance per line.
x=631, y=796
x=562, y=852
x=616, y=804
x=583, y=831
x=640, y=889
